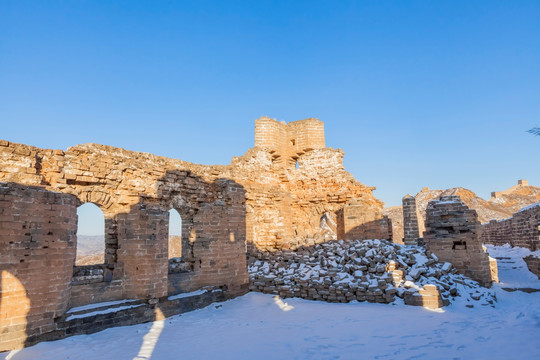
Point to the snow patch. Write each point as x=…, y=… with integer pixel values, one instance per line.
x=98, y=305
x=190, y=294
x=100, y=312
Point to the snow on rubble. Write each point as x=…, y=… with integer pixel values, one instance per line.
x=363, y=270
x=261, y=326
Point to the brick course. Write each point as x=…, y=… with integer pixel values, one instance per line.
x=37, y=243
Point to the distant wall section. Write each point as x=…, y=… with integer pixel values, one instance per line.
x=522, y=229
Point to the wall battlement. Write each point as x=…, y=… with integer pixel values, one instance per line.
x=287, y=141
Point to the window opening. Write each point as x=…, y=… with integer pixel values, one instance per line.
x=90, y=235
x=175, y=234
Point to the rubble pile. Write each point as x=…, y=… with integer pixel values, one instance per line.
x=363, y=270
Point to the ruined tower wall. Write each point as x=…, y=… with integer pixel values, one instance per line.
x=272, y=135
x=356, y=221
x=287, y=141
x=220, y=247
x=308, y=134
x=285, y=203
x=37, y=247
x=321, y=185
x=498, y=232
x=453, y=235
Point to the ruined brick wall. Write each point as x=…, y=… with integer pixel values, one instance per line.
x=410, y=221
x=135, y=192
x=522, y=229
x=321, y=185
x=501, y=206
x=218, y=251
x=453, y=234
x=284, y=204
x=497, y=232
x=37, y=247
x=307, y=134
x=395, y=216
x=358, y=221
x=533, y=264
x=261, y=201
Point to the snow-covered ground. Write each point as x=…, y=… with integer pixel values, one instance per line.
x=258, y=326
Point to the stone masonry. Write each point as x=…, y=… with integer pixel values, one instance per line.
x=37, y=247
x=292, y=180
x=533, y=264
x=453, y=235
x=276, y=196
x=410, y=221
x=522, y=229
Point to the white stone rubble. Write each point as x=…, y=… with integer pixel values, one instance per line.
x=363, y=270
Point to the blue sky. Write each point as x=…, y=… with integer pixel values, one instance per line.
x=417, y=93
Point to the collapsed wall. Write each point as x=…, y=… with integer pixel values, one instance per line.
x=363, y=270
x=453, y=234
x=296, y=188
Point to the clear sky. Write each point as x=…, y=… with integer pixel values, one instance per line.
x=417, y=93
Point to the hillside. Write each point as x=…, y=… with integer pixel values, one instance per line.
x=91, y=249
x=500, y=206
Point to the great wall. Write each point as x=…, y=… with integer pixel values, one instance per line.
x=286, y=198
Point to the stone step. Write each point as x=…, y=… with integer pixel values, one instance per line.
x=92, y=318
x=100, y=308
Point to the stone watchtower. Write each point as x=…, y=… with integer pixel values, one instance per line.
x=287, y=141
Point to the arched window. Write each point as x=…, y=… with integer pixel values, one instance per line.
x=175, y=234
x=90, y=235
